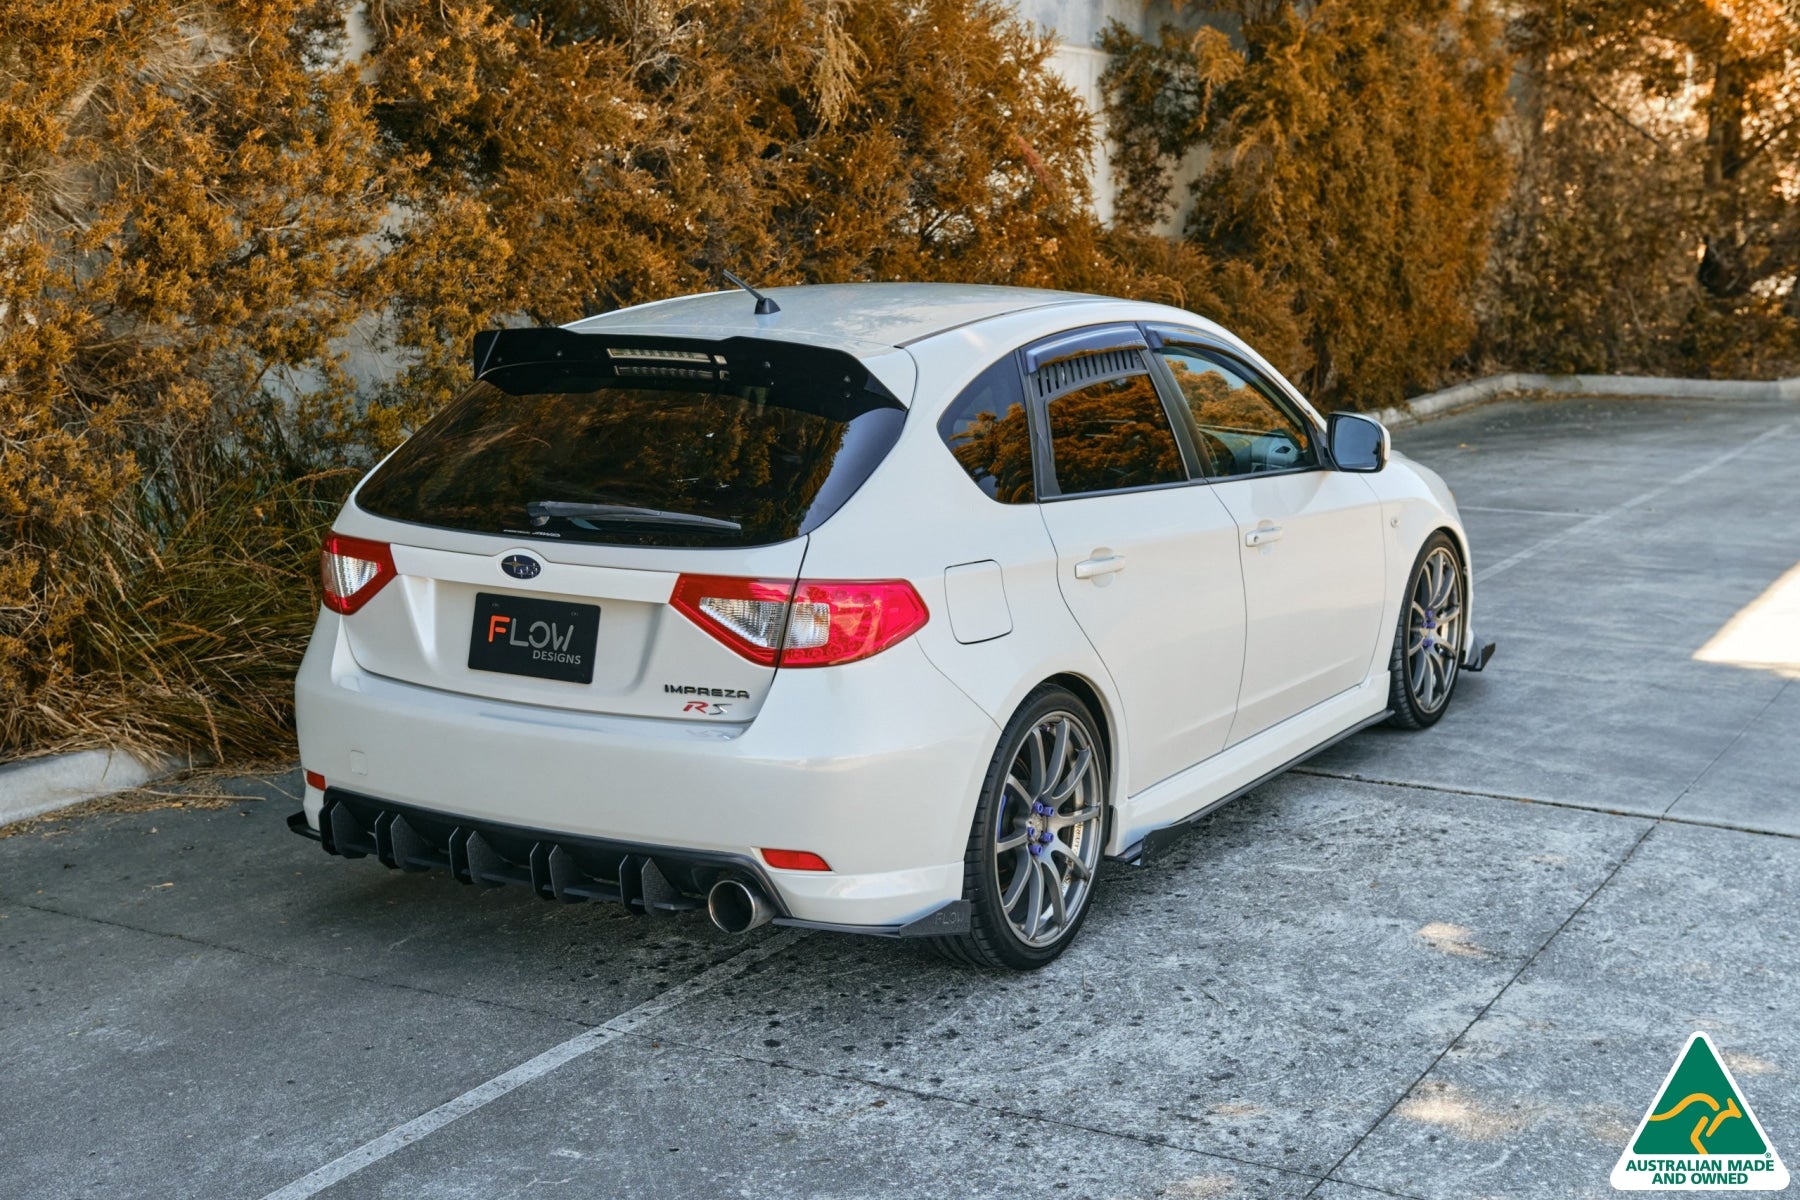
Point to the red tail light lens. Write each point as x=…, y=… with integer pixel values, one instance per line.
x=352, y=570
x=840, y=622
x=827, y=622
x=795, y=860
x=315, y=780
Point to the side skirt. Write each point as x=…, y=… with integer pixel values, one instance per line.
x=1146, y=848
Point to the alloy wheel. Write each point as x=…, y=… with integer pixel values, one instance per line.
x=1048, y=828
x=1434, y=628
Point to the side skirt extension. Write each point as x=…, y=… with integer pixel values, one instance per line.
x=1146, y=848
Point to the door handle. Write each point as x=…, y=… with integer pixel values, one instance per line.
x=1093, y=568
x=1263, y=536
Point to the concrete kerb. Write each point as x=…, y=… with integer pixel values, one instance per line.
x=35, y=786
x=1465, y=395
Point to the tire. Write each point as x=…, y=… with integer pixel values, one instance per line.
x=1024, y=837
x=1425, y=664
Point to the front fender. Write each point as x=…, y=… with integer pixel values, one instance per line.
x=1416, y=503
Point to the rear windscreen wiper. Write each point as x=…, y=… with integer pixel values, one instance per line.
x=623, y=514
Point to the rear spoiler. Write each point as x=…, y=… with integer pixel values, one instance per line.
x=495, y=347
x=650, y=361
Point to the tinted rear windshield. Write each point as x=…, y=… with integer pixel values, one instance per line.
x=652, y=443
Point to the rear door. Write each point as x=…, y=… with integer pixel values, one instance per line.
x=1309, y=537
x=1147, y=560
x=539, y=525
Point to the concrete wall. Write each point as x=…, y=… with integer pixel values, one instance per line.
x=1077, y=25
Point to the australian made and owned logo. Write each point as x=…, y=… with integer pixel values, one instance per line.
x=1700, y=1134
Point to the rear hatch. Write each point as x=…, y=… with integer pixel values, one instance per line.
x=542, y=526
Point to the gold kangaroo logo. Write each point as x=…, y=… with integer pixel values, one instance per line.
x=1709, y=1122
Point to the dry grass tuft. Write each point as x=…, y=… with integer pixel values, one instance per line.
x=198, y=604
x=197, y=788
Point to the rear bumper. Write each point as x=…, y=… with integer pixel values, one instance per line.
x=875, y=766
x=650, y=880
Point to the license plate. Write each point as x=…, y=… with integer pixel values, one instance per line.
x=547, y=639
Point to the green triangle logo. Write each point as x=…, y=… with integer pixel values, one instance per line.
x=1700, y=1133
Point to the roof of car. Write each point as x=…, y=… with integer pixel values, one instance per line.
x=872, y=314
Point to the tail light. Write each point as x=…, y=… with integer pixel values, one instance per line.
x=352, y=570
x=815, y=623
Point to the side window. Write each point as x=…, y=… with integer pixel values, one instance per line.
x=1111, y=434
x=1240, y=426
x=986, y=430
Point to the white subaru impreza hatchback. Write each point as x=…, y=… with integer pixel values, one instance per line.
x=886, y=608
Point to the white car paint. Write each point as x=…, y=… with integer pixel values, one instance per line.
x=1212, y=662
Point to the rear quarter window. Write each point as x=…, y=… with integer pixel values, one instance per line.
x=985, y=428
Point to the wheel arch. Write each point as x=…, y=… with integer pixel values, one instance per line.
x=1096, y=703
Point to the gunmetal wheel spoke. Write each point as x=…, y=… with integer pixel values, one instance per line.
x=1059, y=755
x=1083, y=760
x=1021, y=875
x=1012, y=841
x=1035, y=746
x=1080, y=816
x=1053, y=881
x=1034, y=900
x=1077, y=868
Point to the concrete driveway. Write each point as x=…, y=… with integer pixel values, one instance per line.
x=1452, y=964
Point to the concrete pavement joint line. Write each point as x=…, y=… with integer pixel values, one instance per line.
x=1601, y=518
x=1142, y=1139
x=1485, y=1009
x=1538, y=953
x=1663, y=819
x=371, y=980
x=581, y=1044
x=1525, y=512
x=1695, y=781
x=1371, y=1189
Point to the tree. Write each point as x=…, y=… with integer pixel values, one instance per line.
x=186, y=198
x=574, y=157
x=1655, y=223
x=1354, y=159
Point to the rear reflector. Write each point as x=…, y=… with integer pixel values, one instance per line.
x=794, y=860
x=816, y=623
x=352, y=570
x=315, y=780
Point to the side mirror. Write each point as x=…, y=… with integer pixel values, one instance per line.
x=1358, y=443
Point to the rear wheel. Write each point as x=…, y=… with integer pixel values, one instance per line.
x=1034, y=851
x=1428, y=644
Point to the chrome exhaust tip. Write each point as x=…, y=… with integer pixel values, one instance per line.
x=736, y=906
